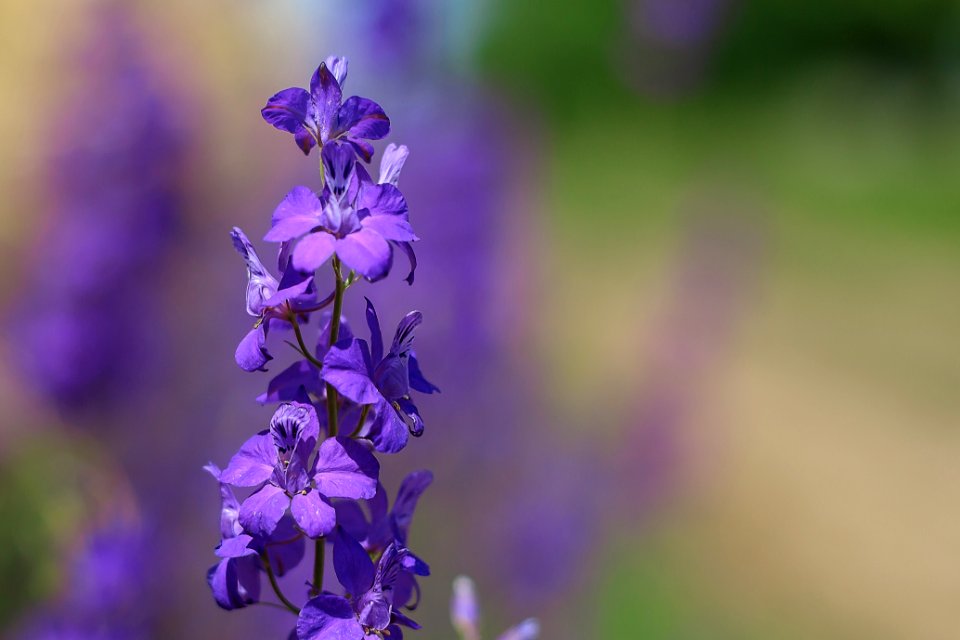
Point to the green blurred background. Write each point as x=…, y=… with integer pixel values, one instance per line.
x=753, y=206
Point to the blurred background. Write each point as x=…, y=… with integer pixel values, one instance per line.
x=690, y=271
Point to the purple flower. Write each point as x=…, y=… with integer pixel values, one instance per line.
x=235, y=579
x=277, y=461
x=368, y=611
x=353, y=217
x=389, y=527
x=465, y=615
x=318, y=117
x=274, y=303
x=366, y=376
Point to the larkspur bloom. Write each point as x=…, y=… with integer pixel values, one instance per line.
x=465, y=615
x=386, y=527
x=365, y=375
x=277, y=461
x=368, y=611
x=235, y=579
x=320, y=116
x=353, y=217
x=274, y=303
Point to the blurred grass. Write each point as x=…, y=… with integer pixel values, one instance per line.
x=821, y=454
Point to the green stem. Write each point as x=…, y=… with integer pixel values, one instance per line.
x=265, y=558
x=318, y=557
x=334, y=336
x=303, y=347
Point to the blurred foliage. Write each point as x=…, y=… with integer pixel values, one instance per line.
x=50, y=486
x=770, y=39
x=571, y=61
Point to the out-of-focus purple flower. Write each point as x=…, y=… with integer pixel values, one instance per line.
x=354, y=218
x=273, y=303
x=369, y=611
x=103, y=588
x=235, y=579
x=114, y=210
x=682, y=23
x=388, y=527
x=465, y=615
x=277, y=461
x=320, y=115
x=366, y=376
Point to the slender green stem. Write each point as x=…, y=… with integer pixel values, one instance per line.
x=319, y=551
x=318, y=558
x=363, y=418
x=265, y=558
x=303, y=346
x=334, y=336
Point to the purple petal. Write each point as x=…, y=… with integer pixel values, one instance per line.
x=403, y=338
x=390, y=227
x=251, y=354
x=409, y=494
x=417, y=381
x=235, y=582
x=400, y=618
x=351, y=518
x=363, y=149
x=406, y=591
x=328, y=617
x=314, y=513
x=338, y=162
x=253, y=464
x=298, y=290
x=407, y=249
x=346, y=469
x=260, y=284
x=285, y=386
x=391, y=377
x=305, y=140
x=287, y=110
x=412, y=414
x=326, y=95
x=229, y=505
x=338, y=67
x=346, y=368
x=235, y=547
x=297, y=214
x=391, y=163
x=313, y=250
x=378, y=508
x=388, y=432
x=527, y=630
x=363, y=119
x=352, y=564
x=366, y=252
x=373, y=610
x=260, y=513
x=376, y=336
x=383, y=199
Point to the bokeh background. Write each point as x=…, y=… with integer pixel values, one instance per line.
x=690, y=269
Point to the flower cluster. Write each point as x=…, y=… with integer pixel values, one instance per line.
x=313, y=474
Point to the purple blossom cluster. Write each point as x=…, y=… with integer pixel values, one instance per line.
x=313, y=473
